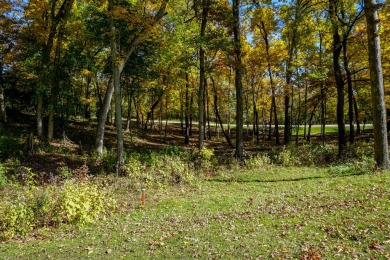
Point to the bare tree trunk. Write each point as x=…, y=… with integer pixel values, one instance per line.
x=350, y=93
x=129, y=109
x=238, y=81
x=202, y=67
x=55, y=19
x=377, y=89
x=120, y=65
x=54, y=86
x=103, y=118
x=181, y=109
x=186, y=112
x=208, y=110
x=310, y=121
x=355, y=106
x=50, y=127
x=270, y=118
x=217, y=113
x=305, y=113
x=298, y=121
x=228, y=101
x=255, y=113
x=151, y=111
x=191, y=111
x=337, y=48
x=117, y=92
x=3, y=112
x=166, y=115
x=273, y=105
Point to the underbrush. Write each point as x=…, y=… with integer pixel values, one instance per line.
x=31, y=200
x=25, y=208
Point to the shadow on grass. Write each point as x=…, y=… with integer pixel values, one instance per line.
x=238, y=180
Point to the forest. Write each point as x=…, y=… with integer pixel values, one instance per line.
x=194, y=129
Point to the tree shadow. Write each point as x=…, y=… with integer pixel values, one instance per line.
x=237, y=180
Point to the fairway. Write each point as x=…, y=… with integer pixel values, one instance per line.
x=276, y=212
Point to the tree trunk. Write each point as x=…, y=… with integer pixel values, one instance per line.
x=337, y=48
x=217, y=113
x=355, y=106
x=129, y=108
x=202, y=68
x=151, y=111
x=54, y=86
x=3, y=113
x=305, y=113
x=87, y=108
x=273, y=103
x=270, y=117
x=103, y=118
x=310, y=122
x=207, y=110
x=166, y=115
x=191, y=111
x=50, y=128
x=186, y=113
x=350, y=93
x=381, y=152
x=228, y=101
x=238, y=81
x=120, y=65
x=181, y=109
x=56, y=19
x=117, y=92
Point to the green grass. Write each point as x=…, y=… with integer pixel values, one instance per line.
x=295, y=212
x=329, y=129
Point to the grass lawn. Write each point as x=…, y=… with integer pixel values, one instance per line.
x=276, y=212
x=329, y=129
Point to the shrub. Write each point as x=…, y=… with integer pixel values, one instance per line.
x=16, y=219
x=74, y=202
x=203, y=158
x=3, y=178
x=159, y=170
x=82, y=202
x=65, y=173
x=26, y=176
x=257, y=161
x=109, y=161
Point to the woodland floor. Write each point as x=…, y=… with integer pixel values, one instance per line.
x=272, y=212
x=75, y=150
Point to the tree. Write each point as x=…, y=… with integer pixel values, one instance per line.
x=140, y=33
x=381, y=154
x=202, y=73
x=238, y=80
x=264, y=20
x=55, y=18
x=337, y=48
x=115, y=77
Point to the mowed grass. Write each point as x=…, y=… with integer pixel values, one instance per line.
x=276, y=212
x=329, y=129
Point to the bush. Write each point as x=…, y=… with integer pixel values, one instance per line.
x=159, y=170
x=82, y=202
x=3, y=178
x=16, y=219
x=203, y=158
x=256, y=162
x=73, y=202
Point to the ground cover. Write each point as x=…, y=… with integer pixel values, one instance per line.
x=271, y=212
